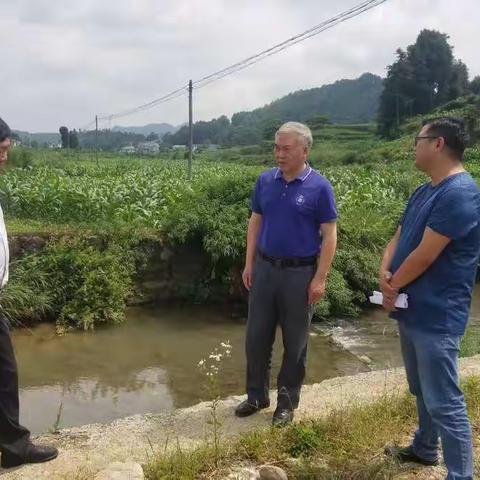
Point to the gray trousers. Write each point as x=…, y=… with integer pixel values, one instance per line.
x=279, y=296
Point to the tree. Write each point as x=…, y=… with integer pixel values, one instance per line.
x=152, y=137
x=243, y=135
x=269, y=127
x=475, y=85
x=318, y=121
x=472, y=121
x=108, y=140
x=398, y=92
x=459, y=85
x=73, y=140
x=432, y=63
x=168, y=139
x=423, y=77
x=65, y=137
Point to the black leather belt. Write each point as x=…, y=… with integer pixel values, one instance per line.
x=288, y=262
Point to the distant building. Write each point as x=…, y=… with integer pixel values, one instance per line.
x=128, y=150
x=184, y=148
x=148, y=148
x=211, y=147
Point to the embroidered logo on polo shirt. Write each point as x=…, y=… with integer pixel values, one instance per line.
x=300, y=199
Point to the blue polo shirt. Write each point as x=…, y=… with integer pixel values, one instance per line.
x=439, y=300
x=292, y=212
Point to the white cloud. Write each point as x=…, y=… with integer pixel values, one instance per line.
x=64, y=61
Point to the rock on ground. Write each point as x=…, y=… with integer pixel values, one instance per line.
x=121, y=471
x=270, y=472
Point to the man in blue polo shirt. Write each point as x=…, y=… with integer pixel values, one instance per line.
x=291, y=242
x=433, y=257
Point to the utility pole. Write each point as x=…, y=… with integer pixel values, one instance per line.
x=96, y=138
x=190, y=128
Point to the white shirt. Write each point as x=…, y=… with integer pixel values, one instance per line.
x=4, y=252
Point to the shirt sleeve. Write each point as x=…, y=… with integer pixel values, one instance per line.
x=326, y=208
x=455, y=213
x=404, y=214
x=255, y=203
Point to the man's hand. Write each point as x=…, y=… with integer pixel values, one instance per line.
x=389, y=303
x=384, y=281
x=390, y=294
x=316, y=290
x=247, y=276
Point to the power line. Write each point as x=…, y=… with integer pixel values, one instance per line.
x=330, y=23
x=311, y=32
x=166, y=98
x=88, y=125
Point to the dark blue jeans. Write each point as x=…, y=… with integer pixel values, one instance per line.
x=432, y=374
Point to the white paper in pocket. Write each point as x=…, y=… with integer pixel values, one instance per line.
x=402, y=300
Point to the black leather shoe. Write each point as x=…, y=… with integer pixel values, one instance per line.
x=33, y=454
x=249, y=407
x=282, y=417
x=406, y=454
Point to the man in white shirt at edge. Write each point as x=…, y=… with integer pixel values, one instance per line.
x=15, y=444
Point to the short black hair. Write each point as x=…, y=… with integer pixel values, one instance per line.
x=5, y=131
x=453, y=132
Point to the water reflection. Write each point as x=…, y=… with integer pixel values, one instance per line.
x=148, y=364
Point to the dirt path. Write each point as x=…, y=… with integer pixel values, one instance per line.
x=87, y=449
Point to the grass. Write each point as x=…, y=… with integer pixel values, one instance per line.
x=470, y=345
x=347, y=444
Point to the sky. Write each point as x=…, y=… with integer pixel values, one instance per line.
x=63, y=61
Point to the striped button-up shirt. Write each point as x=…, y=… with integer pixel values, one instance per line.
x=4, y=252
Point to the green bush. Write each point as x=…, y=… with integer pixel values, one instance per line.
x=339, y=299
x=96, y=282
x=81, y=283
x=20, y=157
x=472, y=157
x=302, y=439
x=28, y=296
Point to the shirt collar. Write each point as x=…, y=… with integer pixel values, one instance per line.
x=302, y=177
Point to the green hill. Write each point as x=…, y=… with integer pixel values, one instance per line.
x=345, y=101
x=158, y=128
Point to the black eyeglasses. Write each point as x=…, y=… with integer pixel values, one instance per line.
x=422, y=137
